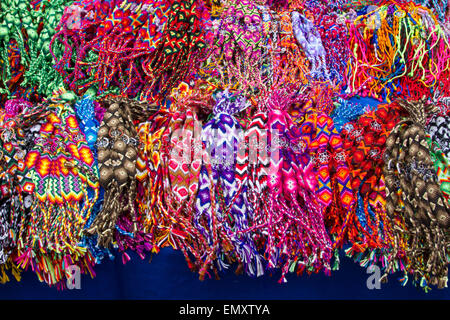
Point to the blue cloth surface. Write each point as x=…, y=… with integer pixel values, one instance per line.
x=167, y=277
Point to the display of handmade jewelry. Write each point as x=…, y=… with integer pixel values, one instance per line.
x=233, y=131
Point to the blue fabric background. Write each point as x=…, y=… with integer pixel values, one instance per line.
x=167, y=277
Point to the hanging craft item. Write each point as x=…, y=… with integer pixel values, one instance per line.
x=16, y=186
x=397, y=49
x=439, y=6
x=105, y=41
x=185, y=42
x=290, y=62
x=441, y=166
x=25, y=32
x=413, y=195
x=296, y=236
x=329, y=159
x=277, y=5
x=330, y=25
x=116, y=145
x=40, y=72
x=252, y=169
x=149, y=173
x=222, y=214
x=171, y=170
x=438, y=138
x=131, y=233
x=346, y=111
x=86, y=115
x=268, y=40
x=369, y=230
x=13, y=172
x=309, y=39
x=237, y=45
x=117, y=150
x=438, y=128
x=227, y=130
x=138, y=49
x=215, y=8
x=62, y=168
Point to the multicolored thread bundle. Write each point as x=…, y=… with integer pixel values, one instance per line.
x=231, y=130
